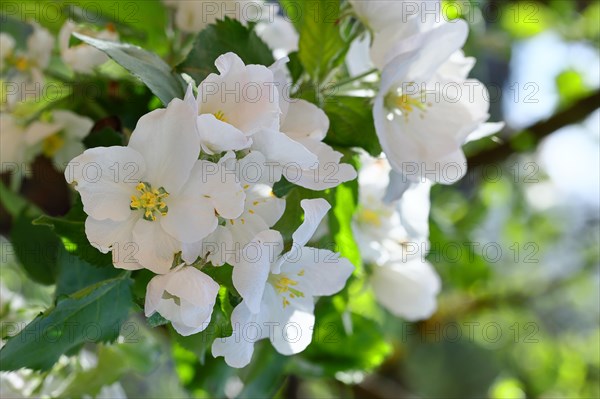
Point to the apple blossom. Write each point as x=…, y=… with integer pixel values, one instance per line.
x=64, y=144
x=185, y=296
x=234, y=104
x=83, y=58
x=144, y=201
x=279, y=291
x=419, y=104
x=394, y=238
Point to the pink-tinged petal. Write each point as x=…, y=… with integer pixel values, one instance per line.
x=244, y=95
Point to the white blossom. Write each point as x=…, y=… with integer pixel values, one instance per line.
x=279, y=291
x=185, y=296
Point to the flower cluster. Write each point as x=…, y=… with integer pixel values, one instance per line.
x=27, y=132
x=193, y=189
x=426, y=107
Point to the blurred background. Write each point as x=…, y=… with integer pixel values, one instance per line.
x=517, y=244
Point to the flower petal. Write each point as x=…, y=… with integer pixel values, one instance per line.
x=156, y=248
x=169, y=143
x=106, y=178
x=217, y=136
x=319, y=272
x=305, y=120
x=408, y=289
x=278, y=147
x=109, y=235
x=251, y=272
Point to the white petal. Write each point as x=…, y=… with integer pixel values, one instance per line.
x=156, y=248
x=108, y=235
x=305, y=120
x=220, y=186
x=76, y=127
x=319, y=272
x=194, y=286
x=292, y=325
x=245, y=94
x=330, y=172
x=106, y=178
x=169, y=142
x=251, y=272
x=190, y=217
x=314, y=211
x=217, y=136
x=239, y=347
x=278, y=147
x=38, y=131
x=407, y=289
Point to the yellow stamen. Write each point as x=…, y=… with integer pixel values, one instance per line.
x=22, y=64
x=220, y=115
x=150, y=200
x=52, y=144
x=369, y=216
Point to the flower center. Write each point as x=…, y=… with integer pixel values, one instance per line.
x=152, y=201
x=404, y=104
x=52, y=144
x=285, y=286
x=369, y=216
x=220, y=115
x=21, y=64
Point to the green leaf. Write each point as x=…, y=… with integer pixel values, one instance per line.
x=156, y=320
x=113, y=362
x=72, y=227
x=351, y=124
x=15, y=204
x=321, y=43
x=94, y=314
x=295, y=66
x=36, y=248
x=105, y=137
x=330, y=352
x=344, y=200
x=222, y=37
x=75, y=274
x=146, y=66
x=265, y=374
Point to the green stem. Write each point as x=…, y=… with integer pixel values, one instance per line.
x=355, y=78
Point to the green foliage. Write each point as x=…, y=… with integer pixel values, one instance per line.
x=93, y=314
x=321, y=45
x=75, y=274
x=146, y=66
x=113, y=362
x=36, y=248
x=72, y=227
x=105, y=137
x=222, y=37
x=352, y=124
x=338, y=346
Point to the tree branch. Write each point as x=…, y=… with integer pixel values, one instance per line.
x=538, y=131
